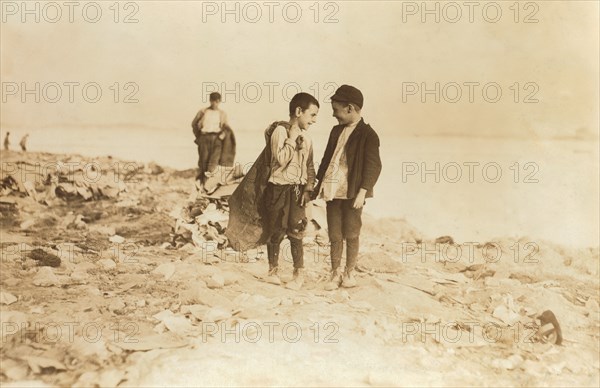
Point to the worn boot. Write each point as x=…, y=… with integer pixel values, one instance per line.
x=273, y=276
x=348, y=280
x=273, y=256
x=297, y=281
x=335, y=280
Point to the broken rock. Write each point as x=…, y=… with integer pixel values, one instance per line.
x=116, y=306
x=216, y=314
x=7, y=298
x=45, y=277
x=107, y=264
x=80, y=277
x=116, y=239
x=216, y=281
x=165, y=270
x=44, y=258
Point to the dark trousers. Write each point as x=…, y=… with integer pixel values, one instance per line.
x=343, y=222
x=285, y=216
x=208, y=146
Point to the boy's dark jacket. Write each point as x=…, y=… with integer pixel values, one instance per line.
x=362, y=155
x=246, y=206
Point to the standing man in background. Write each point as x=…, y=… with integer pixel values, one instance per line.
x=23, y=142
x=6, y=141
x=212, y=132
x=347, y=174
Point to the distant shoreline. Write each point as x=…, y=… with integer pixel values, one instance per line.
x=586, y=136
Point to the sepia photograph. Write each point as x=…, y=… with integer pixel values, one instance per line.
x=350, y=193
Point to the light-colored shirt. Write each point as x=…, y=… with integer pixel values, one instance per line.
x=289, y=162
x=335, y=181
x=199, y=123
x=212, y=121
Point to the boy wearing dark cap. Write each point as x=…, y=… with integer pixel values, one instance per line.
x=347, y=174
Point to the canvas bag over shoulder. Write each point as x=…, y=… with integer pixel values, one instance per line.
x=246, y=206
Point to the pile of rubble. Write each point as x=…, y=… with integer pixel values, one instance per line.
x=53, y=181
x=200, y=222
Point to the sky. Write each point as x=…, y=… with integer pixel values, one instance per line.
x=157, y=72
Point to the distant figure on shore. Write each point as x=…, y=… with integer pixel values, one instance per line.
x=6, y=141
x=23, y=142
x=215, y=139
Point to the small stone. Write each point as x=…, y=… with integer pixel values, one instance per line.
x=44, y=258
x=107, y=264
x=117, y=239
x=557, y=368
x=87, y=379
x=37, y=310
x=12, y=282
x=515, y=361
x=84, y=266
x=27, y=224
x=154, y=168
x=491, y=282
x=106, y=230
x=14, y=370
x=165, y=270
x=140, y=303
x=79, y=223
x=94, y=291
x=444, y=240
x=502, y=363
x=592, y=305
x=506, y=315
x=7, y=298
x=116, y=306
x=216, y=314
x=508, y=363
x=341, y=297
x=230, y=278
x=45, y=277
x=80, y=277
x=508, y=282
x=215, y=281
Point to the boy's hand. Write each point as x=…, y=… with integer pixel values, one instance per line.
x=360, y=199
x=294, y=132
x=306, y=198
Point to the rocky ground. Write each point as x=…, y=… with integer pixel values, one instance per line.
x=115, y=273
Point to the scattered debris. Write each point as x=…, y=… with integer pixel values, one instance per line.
x=148, y=270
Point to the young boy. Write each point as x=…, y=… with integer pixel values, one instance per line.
x=347, y=174
x=291, y=181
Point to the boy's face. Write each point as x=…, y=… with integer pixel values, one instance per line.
x=308, y=117
x=215, y=104
x=341, y=112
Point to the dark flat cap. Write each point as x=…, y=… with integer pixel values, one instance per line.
x=347, y=93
